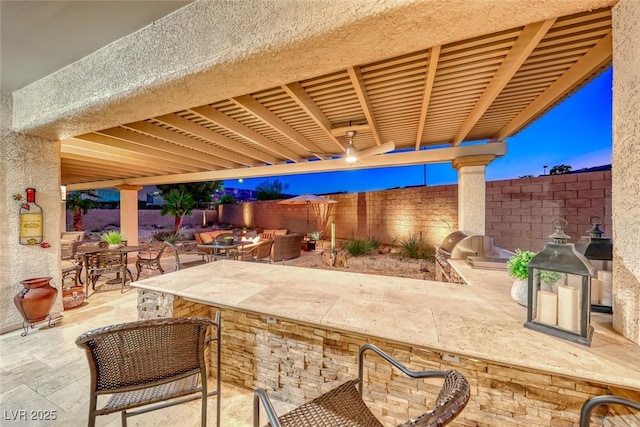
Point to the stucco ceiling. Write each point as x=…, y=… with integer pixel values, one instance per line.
x=40, y=37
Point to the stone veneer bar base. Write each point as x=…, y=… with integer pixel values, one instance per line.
x=299, y=362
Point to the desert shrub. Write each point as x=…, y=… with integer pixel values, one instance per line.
x=357, y=247
x=414, y=247
x=162, y=235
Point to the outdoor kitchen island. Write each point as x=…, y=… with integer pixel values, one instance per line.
x=297, y=331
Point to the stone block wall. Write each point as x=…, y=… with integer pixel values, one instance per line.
x=296, y=363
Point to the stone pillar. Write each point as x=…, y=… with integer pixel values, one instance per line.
x=471, y=192
x=26, y=161
x=129, y=212
x=625, y=171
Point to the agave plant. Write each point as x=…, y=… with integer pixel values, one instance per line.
x=113, y=237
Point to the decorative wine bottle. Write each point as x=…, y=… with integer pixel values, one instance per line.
x=30, y=220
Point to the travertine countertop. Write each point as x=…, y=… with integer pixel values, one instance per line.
x=479, y=320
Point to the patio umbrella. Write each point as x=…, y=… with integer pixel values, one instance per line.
x=306, y=199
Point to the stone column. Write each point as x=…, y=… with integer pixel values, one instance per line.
x=26, y=161
x=471, y=192
x=625, y=171
x=129, y=212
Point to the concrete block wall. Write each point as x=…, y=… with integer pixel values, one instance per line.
x=519, y=211
x=296, y=363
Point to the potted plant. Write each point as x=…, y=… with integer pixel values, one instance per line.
x=518, y=268
x=114, y=238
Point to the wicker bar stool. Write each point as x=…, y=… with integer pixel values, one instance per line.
x=151, y=364
x=343, y=406
x=590, y=404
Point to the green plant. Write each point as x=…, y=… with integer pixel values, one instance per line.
x=165, y=236
x=518, y=265
x=227, y=199
x=357, y=247
x=270, y=190
x=415, y=248
x=550, y=276
x=112, y=237
x=315, y=235
x=178, y=204
x=81, y=202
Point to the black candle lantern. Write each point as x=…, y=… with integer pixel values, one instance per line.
x=600, y=249
x=562, y=309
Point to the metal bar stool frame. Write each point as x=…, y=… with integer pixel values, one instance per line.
x=329, y=408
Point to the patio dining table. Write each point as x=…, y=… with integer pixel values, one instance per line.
x=216, y=250
x=123, y=249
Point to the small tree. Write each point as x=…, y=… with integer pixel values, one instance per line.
x=81, y=202
x=268, y=190
x=178, y=204
x=227, y=199
x=560, y=170
x=200, y=191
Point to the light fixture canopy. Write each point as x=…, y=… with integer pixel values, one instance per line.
x=351, y=153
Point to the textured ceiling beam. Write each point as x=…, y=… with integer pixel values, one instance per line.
x=594, y=60
x=97, y=147
x=522, y=48
x=224, y=121
x=143, y=144
x=263, y=113
x=228, y=143
x=361, y=92
x=304, y=101
x=434, y=57
x=439, y=155
x=217, y=155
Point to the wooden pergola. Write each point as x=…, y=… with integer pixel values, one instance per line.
x=425, y=104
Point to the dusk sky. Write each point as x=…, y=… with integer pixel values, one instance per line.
x=578, y=133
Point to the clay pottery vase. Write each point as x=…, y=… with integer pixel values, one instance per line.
x=36, y=298
x=73, y=297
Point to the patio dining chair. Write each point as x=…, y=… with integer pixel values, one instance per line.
x=97, y=264
x=150, y=261
x=151, y=364
x=343, y=406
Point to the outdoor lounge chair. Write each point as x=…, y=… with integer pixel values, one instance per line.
x=151, y=364
x=256, y=252
x=343, y=406
x=285, y=247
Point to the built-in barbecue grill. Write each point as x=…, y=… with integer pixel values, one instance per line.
x=477, y=250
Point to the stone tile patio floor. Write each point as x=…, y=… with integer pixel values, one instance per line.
x=44, y=373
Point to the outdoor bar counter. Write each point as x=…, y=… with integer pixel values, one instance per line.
x=294, y=330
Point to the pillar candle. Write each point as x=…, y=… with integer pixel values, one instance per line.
x=547, y=307
x=574, y=281
x=569, y=308
x=596, y=291
x=605, y=278
x=333, y=236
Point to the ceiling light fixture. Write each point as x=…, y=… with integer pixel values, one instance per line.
x=351, y=154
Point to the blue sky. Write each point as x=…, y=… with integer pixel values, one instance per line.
x=577, y=133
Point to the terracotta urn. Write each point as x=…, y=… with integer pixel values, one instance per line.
x=36, y=298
